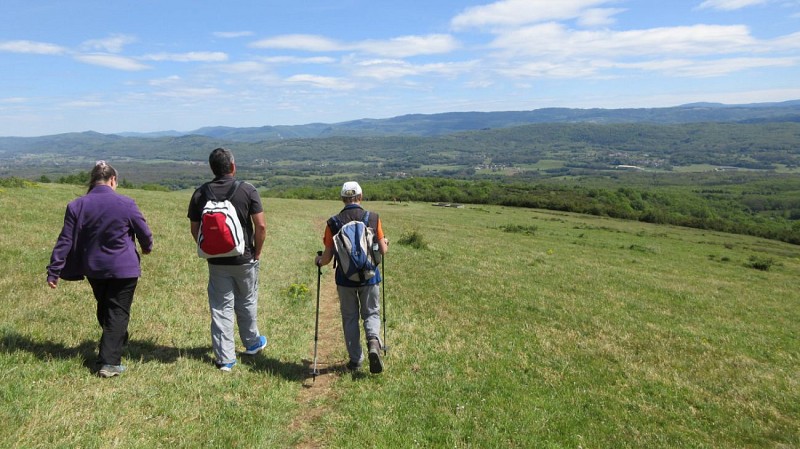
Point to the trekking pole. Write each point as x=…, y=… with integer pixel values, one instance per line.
x=314, y=372
x=383, y=294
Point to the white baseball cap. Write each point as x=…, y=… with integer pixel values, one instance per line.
x=351, y=189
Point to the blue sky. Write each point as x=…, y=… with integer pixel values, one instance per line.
x=114, y=66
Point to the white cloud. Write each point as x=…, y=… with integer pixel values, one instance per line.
x=322, y=82
x=405, y=46
x=709, y=68
x=730, y=5
x=112, y=62
x=39, y=48
x=13, y=100
x=83, y=104
x=480, y=84
x=385, y=69
x=193, y=56
x=304, y=42
x=558, y=41
x=111, y=44
x=232, y=34
x=191, y=92
x=553, y=69
x=297, y=60
x=522, y=12
x=170, y=80
x=597, y=17
x=243, y=67
x=552, y=50
x=788, y=42
x=398, y=47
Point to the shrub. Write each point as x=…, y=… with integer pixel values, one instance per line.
x=296, y=292
x=641, y=248
x=413, y=239
x=520, y=229
x=760, y=263
x=155, y=187
x=16, y=182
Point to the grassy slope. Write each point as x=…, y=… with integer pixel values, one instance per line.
x=592, y=332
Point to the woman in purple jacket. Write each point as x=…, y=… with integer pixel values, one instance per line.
x=97, y=241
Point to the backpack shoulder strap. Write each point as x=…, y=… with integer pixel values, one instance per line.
x=233, y=189
x=335, y=223
x=206, y=190
x=365, y=219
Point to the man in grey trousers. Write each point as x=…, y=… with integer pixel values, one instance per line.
x=232, y=280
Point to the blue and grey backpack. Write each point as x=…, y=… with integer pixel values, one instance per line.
x=355, y=248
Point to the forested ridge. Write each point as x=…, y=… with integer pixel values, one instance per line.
x=749, y=185
x=748, y=145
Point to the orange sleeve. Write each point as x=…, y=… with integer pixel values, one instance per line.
x=327, y=239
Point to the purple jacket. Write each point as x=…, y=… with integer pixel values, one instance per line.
x=97, y=240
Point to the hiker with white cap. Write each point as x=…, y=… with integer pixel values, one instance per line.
x=357, y=282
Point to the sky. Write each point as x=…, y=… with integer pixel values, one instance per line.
x=115, y=66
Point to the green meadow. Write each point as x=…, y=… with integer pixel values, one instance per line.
x=506, y=327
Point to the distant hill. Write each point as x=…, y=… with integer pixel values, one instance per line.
x=418, y=137
x=450, y=122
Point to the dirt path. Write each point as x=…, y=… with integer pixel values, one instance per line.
x=330, y=364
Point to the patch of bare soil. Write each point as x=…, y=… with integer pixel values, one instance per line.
x=318, y=389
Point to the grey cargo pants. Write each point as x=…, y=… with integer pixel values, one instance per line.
x=363, y=302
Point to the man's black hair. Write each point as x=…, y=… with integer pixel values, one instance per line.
x=221, y=161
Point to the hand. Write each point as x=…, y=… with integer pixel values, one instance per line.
x=318, y=259
x=52, y=284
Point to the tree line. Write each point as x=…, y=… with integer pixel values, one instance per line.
x=672, y=205
x=769, y=208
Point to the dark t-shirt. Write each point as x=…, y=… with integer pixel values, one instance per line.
x=246, y=201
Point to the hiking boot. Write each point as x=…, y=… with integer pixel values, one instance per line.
x=226, y=367
x=353, y=365
x=375, y=361
x=107, y=371
x=256, y=348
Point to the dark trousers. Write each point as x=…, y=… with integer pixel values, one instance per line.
x=114, y=298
